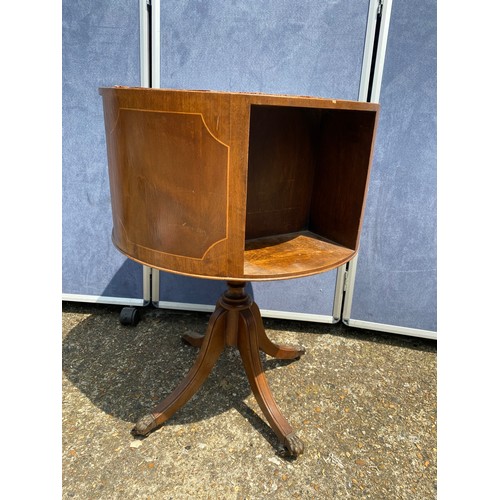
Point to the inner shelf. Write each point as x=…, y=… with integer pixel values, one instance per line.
x=300, y=253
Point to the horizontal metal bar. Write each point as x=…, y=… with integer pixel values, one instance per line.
x=267, y=313
x=316, y=318
x=400, y=330
x=100, y=299
x=182, y=306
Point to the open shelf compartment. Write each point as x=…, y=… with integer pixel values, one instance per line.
x=306, y=182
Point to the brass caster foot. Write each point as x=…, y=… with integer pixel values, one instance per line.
x=145, y=425
x=293, y=446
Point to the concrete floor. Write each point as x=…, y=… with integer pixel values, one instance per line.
x=363, y=403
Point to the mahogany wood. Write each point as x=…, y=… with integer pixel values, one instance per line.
x=235, y=322
x=280, y=169
x=236, y=187
x=198, y=177
x=339, y=193
x=302, y=253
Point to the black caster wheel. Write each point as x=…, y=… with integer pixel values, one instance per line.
x=129, y=316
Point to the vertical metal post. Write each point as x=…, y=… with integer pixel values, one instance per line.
x=377, y=31
x=149, y=19
x=155, y=34
x=144, y=43
x=383, y=34
x=149, y=46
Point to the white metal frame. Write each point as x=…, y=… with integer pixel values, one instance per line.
x=266, y=313
x=371, y=24
x=101, y=299
x=149, y=40
x=338, y=298
x=155, y=43
x=373, y=9
x=399, y=330
x=144, y=42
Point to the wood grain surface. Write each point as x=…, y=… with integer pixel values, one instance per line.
x=237, y=186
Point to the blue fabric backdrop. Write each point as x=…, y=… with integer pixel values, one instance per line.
x=100, y=48
x=286, y=46
x=396, y=275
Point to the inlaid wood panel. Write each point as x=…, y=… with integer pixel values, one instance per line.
x=171, y=169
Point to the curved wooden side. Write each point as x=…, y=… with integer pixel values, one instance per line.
x=234, y=186
x=169, y=179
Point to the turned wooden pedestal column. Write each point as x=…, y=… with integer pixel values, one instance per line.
x=236, y=187
x=236, y=322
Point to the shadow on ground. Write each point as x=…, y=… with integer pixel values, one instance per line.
x=364, y=404
x=127, y=370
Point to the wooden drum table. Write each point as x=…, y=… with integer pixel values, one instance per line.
x=236, y=187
